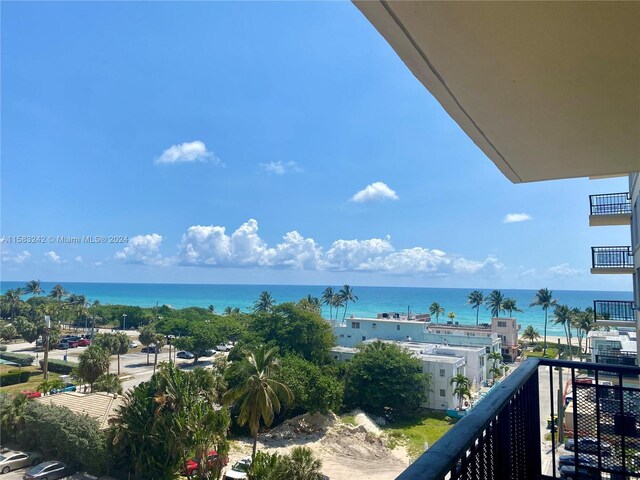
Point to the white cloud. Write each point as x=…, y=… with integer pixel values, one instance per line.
x=563, y=270
x=280, y=168
x=516, y=217
x=187, y=152
x=357, y=254
x=144, y=250
x=53, y=256
x=78, y=259
x=375, y=191
x=16, y=258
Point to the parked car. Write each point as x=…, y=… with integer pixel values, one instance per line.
x=224, y=347
x=84, y=342
x=52, y=470
x=584, y=473
x=63, y=346
x=187, y=355
x=133, y=344
x=150, y=349
x=12, y=460
x=584, y=460
x=192, y=465
x=31, y=394
x=238, y=470
x=588, y=445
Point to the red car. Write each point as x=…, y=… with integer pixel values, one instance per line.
x=192, y=465
x=31, y=394
x=84, y=342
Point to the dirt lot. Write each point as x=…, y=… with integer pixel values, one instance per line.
x=347, y=452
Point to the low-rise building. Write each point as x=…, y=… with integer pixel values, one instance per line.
x=616, y=347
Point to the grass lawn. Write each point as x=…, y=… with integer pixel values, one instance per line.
x=425, y=426
x=551, y=353
x=32, y=384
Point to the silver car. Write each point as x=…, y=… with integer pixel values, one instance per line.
x=12, y=460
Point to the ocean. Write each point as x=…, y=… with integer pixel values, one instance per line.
x=371, y=300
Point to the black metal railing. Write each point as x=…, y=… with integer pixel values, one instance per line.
x=614, y=310
x=611, y=257
x=502, y=437
x=610, y=204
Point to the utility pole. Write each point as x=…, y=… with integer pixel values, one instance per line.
x=45, y=365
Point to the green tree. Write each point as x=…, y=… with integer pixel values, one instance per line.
x=114, y=343
x=462, y=388
x=295, y=330
x=313, y=389
x=475, y=299
x=563, y=316
x=327, y=299
x=496, y=358
x=530, y=334
x=437, y=310
x=301, y=464
x=509, y=305
x=14, y=298
x=28, y=330
x=544, y=298
x=147, y=337
x=12, y=415
x=452, y=316
x=266, y=466
x=347, y=295
x=311, y=303
x=260, y=395
x=57, y=293
x=34, y=288
x=587, y=324
x=265, y=302
x=495, y=302
x=337, y=302
x=108, y=382
x=8, y=333
x=49, y=384
x=93, y=362
x=199, y=338
x=385, y=375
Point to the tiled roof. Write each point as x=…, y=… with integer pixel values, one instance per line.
x=101, y=406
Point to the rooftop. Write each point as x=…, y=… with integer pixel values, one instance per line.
x=100, y=406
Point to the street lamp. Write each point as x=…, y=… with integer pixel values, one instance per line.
x=124, y=321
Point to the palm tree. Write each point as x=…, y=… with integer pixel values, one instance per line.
x=347, y=295
x=264, y=303
x=93, y=362
x=587, y=325
x=563, y=315
x=114, y=343
x=212, y=308
x=544, y=298
x=33, y=288
x=509, y=305
x=301, y=464
x=49, y=384
x=57, y=292
x=13, y=297
x=108, y=382
x=496, y=357
x=530, y=334
x=159, y=340
x=437, y=310
x=476, y=298
x=146, y=337
x=452, y=316
x=338, y=302
x=13, y=414
x=327, y=299
x=462, y=388
x=494, y=303
x=259, y=395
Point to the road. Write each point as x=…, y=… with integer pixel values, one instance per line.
x=545, y=413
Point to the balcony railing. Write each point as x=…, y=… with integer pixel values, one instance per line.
x=614, y=311
x=610, y=204
x=612, y=258
x=505, y=436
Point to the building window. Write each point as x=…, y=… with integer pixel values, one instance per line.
x=397, y=327
x=342, y=335
x=502, y=324
x=442, y=392
x=488, y=349
x=348, y=336
x=363, y=338
x=442, y=372
x=355, y=324
x=482, y=361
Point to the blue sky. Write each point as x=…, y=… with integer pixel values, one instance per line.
x=258, y=143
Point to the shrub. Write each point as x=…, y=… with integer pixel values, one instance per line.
x=58, y=366
x=3, y=348
x=13, y=377
x=19, y=358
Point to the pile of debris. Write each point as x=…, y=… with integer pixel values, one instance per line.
x=305, y=426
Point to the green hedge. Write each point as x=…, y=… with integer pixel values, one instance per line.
x=59, y=366
x=3, y=348
x=13, y=377
x=19, y=358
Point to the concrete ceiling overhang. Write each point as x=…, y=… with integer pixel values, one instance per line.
x=546, y=89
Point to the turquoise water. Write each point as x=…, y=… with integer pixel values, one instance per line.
x=371, y=300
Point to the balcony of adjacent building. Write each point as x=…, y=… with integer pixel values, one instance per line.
x=606, y=260
x=610, y=209
x=614, y=313
x=548, y=419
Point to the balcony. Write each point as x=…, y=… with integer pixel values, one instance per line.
x=611, y=260
x=510, y=435
x=610, y=209
x=614, y=313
